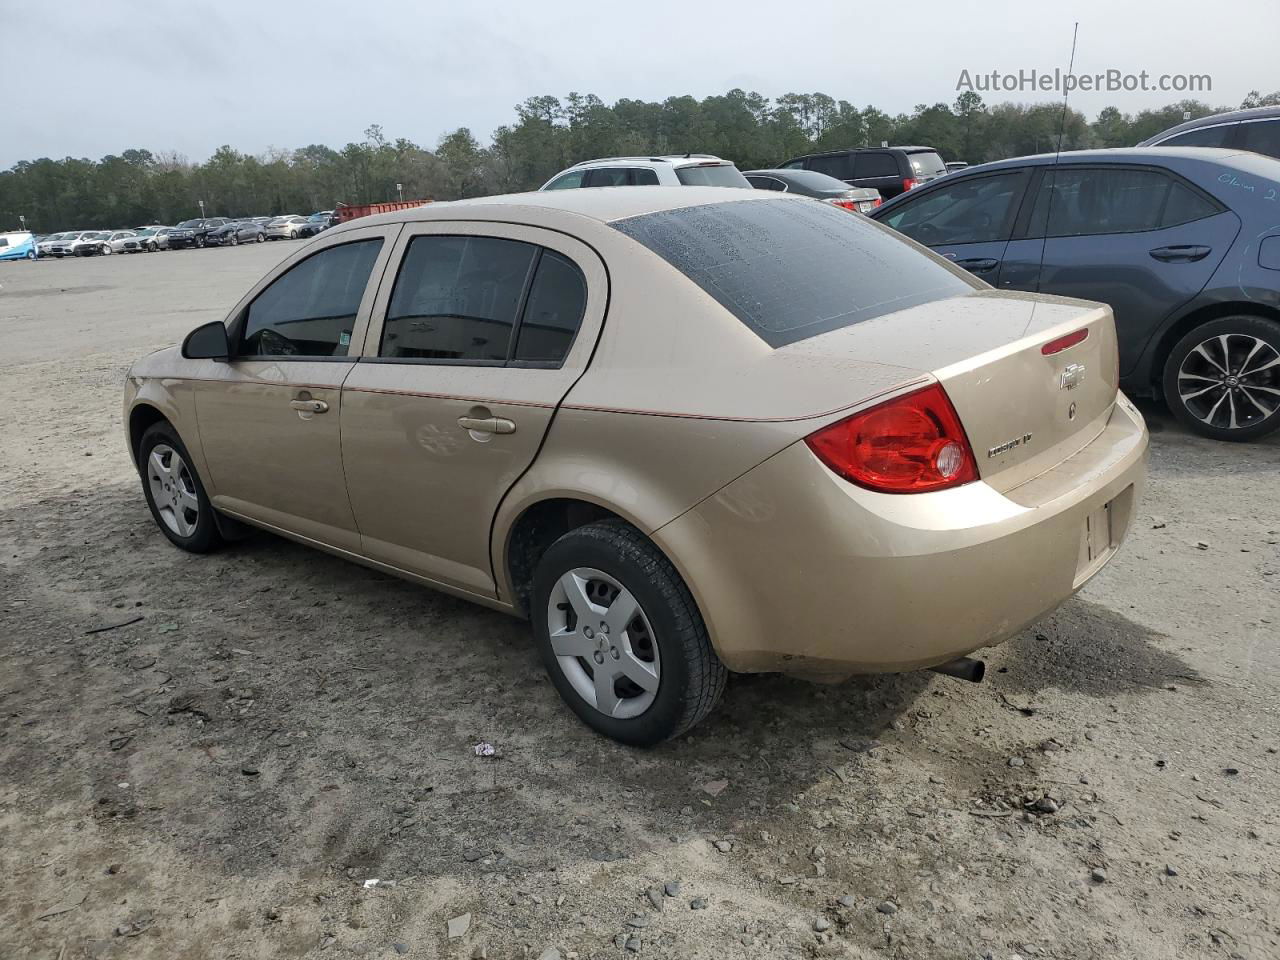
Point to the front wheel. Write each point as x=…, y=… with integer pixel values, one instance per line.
x=621, y=636
x=235, y=241
x=200, y=242
x=179, y=505
x=1223, y=378
x=105, y=250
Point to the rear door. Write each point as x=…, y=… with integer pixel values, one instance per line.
x=967, y=220
x=1137, y=238
x=476, y=337
x=269, y=418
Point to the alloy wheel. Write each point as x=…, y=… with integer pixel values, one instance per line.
x=1230, y=381
x=173, y=490
x=603, y=643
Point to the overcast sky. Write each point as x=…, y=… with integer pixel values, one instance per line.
x=104, y=76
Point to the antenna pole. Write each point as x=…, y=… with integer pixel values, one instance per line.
x=1053, y=173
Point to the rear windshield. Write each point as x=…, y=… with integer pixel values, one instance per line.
x=790, y=270
x=716, y=175
x=926, y=163
x=812, y=180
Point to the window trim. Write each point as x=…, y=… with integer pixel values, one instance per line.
x=235, y=328
x=1012, y=217
x=1021, y=229
x=517, y=324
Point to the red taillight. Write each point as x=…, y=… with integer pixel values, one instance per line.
x=911, y=444
x=843, y=203
x=908, y=183
x=1062, y=343
x=877, y=201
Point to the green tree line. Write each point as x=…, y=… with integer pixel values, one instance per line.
x=547, y=135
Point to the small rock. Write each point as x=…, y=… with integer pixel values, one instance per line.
x=458, y=926
x=1170, y=871
x=888, y=908
x=1201, y=545
x=638, y=922
x=633, y=944
x=715, y=787
x=697, y=903
x=671, y=888
x=1047, y=805
x=400, y=948
x=1231, y=771
x=1157, y=523
x=655, y=897
x=1098, y=875
x=821, y=924
x=403, y=807
x=846, y=901
x=472, y=855
x=249, y=770
x=551, y=953
x=724, y=846
x=1016, y=761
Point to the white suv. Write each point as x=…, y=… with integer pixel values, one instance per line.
x=689, y=170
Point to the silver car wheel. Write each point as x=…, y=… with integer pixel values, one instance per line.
x=603, y=643
x=1230, y=381
x=173, y=490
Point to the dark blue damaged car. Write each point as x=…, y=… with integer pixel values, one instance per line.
x=1183, y=243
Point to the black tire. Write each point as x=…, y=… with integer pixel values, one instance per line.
x=691, y=678
x=1244, y=406
x=205, y=536
x=200, y=242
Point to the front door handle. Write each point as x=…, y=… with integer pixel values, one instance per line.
x=979, y=264
x=1181, y=253
x=487, y=424
x=309, y=406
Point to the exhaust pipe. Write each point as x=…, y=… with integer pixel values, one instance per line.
x=963, y=668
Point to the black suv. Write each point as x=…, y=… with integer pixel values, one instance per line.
x=891, y=170
x=192, y=233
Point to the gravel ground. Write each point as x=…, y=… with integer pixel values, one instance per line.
x=226, y=776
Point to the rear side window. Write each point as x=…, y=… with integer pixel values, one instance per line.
x=1185, y=205
x=1261, y=136
x=1096, y=201
x=310, y=310
x=607, y=177
x=1202, y=137
x=767, y=183
x=644, y=177
x=790, y=270
x=875, y=165
x=483, y=300
x=838, y=165
x=456, y=298
x=714, y=175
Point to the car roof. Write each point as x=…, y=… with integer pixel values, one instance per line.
x=1158, y=156
x=1216, y=119
x=603, y=204
x=894, y=146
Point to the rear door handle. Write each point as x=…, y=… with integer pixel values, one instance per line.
x=979, y=264
x=1181, y=253
x=487, y=424
x=309, y=406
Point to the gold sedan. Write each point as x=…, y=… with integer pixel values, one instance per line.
x=683, y=431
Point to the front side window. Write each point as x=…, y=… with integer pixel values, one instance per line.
x=871, y=165
x=790, y=271
x=1085, y=201
x=970, y=211
x=483, y=300
x=310, y=310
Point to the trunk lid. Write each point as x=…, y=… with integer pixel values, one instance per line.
x=1024, y=410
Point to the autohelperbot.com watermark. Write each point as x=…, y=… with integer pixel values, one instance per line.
x=1059, y=81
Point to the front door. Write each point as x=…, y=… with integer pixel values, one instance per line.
x=472, y=345
x=269, y=418
x=1136, y=238
x=968, y=220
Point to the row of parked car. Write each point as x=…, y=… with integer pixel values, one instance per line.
x=1177, y=235
x=202, y=232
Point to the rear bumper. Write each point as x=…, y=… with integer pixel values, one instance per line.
x=798, y=571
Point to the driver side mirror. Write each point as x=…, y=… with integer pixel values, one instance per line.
x=207, y=342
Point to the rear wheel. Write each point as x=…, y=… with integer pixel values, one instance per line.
x=179, y=505
x=621, y=636
x=235, y=241
x=1223, y=378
